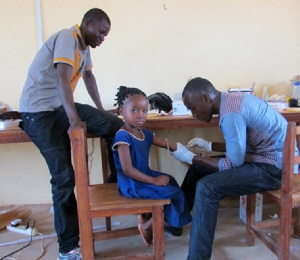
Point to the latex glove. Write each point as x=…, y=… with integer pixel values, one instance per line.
x=203, y=144
x=183, y=154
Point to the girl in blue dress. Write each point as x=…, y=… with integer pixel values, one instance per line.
x=131, y=148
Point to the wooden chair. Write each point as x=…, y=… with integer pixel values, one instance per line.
x=104, y=200
x=288, y=198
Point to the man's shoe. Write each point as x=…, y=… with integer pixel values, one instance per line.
x=72, y=255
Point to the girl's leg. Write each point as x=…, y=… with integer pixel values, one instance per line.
x=142, y=218
x=145, y=229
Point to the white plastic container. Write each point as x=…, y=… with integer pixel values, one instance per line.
x=296, y=92
x=265, y=95
x=179, y=109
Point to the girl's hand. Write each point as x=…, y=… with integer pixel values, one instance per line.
x=183, y=154
x=161, y=180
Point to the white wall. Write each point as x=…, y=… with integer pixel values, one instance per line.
x=155, y=46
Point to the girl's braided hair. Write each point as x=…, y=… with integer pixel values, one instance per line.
x=124, y=92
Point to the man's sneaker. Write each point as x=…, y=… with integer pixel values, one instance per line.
x=72, y=255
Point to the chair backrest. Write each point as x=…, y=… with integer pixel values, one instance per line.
x=79, y=142
x=80, y=163
x=289, y=160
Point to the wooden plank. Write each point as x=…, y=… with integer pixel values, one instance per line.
x=124, y=232
x=267, y=223
x=134, y=257
x=266, y=240
x=13, y=213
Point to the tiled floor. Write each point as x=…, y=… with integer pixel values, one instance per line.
x=229, y=240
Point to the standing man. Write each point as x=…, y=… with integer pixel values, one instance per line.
x=49, y=113
x=254, y=136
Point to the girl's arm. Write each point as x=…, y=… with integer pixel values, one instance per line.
x=135, y=174
x=164, y=143
x=179, y=151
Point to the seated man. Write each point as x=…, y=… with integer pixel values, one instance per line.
x=254, y=136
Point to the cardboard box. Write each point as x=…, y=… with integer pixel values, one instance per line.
x=179, y=109
x=278, y=105
x=258, y=207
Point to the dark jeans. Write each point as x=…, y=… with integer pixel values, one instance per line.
x=204, y=189
x=48, y=131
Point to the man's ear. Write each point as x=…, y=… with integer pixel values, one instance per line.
x=206, y=97
x=86, y=22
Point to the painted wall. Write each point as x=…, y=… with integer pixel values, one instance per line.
x=153, y=45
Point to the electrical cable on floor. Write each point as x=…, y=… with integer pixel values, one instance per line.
x=33, y=239
x=5, y=257
x=19, y=241
x=42, y=247
x=43, y=237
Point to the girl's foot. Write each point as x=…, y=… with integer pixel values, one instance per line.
x=146, y=234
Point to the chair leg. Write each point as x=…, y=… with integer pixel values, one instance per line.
x=87, y=241
x=285, y=234
x=158, y=233
x=250, y=218
x=297, y=223
x=108, y=223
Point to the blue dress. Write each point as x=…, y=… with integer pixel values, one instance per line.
x=176, y=213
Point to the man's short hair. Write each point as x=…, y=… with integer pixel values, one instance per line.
x=197, y=85
x=96, y=14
